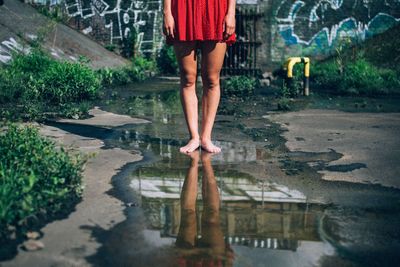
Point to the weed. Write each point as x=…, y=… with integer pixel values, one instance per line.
x=240, y=86
x=166, y=60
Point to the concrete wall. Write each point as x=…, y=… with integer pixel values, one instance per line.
x=289, y=27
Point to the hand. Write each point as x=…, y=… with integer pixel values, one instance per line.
x=169, y=25
x=229, y=25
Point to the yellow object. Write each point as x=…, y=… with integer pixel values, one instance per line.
x=289, y=64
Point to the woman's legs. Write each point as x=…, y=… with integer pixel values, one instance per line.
x=186, y=56
x=212, y=59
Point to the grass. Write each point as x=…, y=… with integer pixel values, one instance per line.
x=357, y=77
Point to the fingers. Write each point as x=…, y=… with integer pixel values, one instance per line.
x=228, y=30
x=169, y=31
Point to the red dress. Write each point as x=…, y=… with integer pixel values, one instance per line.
x=199, y=20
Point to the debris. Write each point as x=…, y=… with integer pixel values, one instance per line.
x=32, y=245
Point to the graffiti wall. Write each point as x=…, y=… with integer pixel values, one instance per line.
x=316, y=27
x=119, y=21
x=289, y=27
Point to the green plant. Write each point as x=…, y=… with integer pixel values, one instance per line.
x=241, y=85
x=359, y=77
x=34, y=83
x=65, y=81
x=166, y=60
x=142, y=68
x=284, y=104
x=116, y=76
x=110, y=47
x=54, y=12
x=36, y=177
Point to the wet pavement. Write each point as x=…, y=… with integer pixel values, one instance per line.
x=255, y=204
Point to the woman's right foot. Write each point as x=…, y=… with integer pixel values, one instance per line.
x=208, y=146
x=191, y=146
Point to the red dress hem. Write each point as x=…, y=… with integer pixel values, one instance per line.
x=230, y=41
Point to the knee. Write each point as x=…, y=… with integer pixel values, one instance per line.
x=211, y=81
x=188, y=79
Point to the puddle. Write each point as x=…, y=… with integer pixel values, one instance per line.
x=254, y=204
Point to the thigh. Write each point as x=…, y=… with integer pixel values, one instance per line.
x=212, y=57
x=186, y=57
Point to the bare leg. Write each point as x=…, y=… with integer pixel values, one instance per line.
x=186, y=56
x=212, y=235
x=212, y=59
x=188, y=226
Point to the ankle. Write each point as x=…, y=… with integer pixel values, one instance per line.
x=205, y=139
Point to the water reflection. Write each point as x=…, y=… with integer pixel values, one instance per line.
x=212, y=213
x=203, y=245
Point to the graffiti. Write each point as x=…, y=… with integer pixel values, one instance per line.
x=121, y=18
x=303, y=22
x=9, y=46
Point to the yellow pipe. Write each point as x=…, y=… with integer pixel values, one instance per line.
x=289, y=65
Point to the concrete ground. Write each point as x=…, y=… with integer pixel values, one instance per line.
x=369, y=143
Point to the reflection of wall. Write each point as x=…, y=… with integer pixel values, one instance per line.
x=257, y=214
x=272, y=225
x=230, y=188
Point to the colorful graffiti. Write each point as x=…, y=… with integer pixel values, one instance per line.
x=121, y=18
x=324, y=21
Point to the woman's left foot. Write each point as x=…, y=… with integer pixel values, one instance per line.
x=208, y=146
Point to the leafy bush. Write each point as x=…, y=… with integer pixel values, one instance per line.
x=116, y=76
x=37, y=83
x=239, y=86
x=140, y=70
x=357, y=77
x=64, y=82
x=166, y=60
x=36, y=177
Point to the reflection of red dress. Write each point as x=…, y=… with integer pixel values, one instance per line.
x=199, y=20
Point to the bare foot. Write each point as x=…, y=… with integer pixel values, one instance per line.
x=208, y=146
x=191, y=146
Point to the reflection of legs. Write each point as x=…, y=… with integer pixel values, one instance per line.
x=186, y=56
x=212, y=59
x=188, y=226
x=211, y=229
